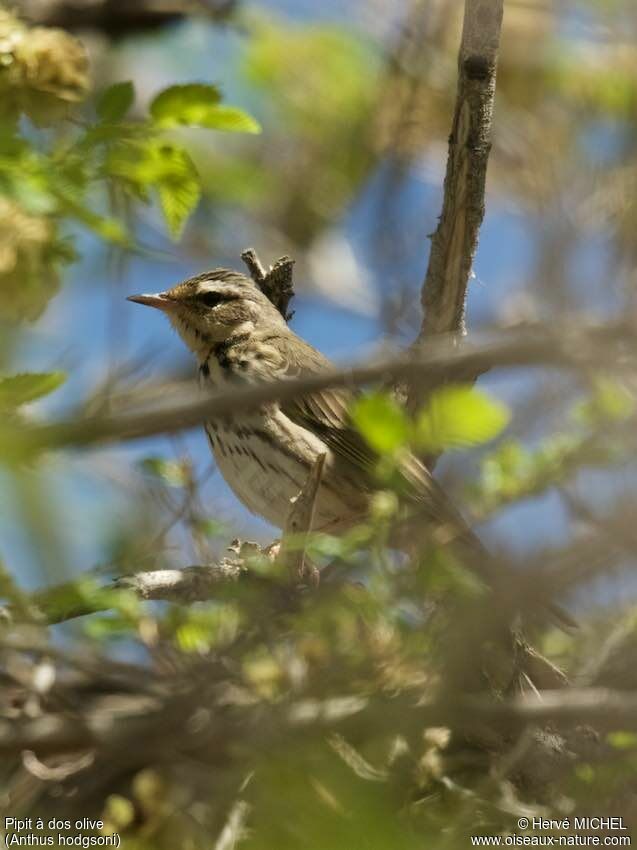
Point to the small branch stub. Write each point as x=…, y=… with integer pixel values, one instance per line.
x=276, y=283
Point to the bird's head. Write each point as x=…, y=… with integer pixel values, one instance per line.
x=210, y=308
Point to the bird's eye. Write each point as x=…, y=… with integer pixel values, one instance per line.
x=211, y=299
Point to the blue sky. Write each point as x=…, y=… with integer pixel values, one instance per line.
x=81, y=323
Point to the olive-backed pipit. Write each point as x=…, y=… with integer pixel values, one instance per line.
x=237, y=334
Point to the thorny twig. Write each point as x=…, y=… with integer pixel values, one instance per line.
x=454, y=243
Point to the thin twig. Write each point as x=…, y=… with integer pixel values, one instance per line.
x=298, y=526
x=255, y=266
x=234, y=828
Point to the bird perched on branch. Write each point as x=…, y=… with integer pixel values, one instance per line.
x=238, y=335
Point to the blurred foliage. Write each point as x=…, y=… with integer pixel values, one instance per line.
x=318, y=85
x=596, y=438
x=196, y=105
x=44, y=71
x=71, y=174
x=454, y=416
x=279, y=717
x=21, y=389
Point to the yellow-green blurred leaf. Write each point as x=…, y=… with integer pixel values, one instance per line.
x=459, y=416
x=118, y=811
x=184, y=104
x=382, y=422
x=115, y=101
x=610, y=401
x=169, y=471
x=232, y=120
x=197, y=105
x=168, y=169
x=16, y=390
x=622, y=740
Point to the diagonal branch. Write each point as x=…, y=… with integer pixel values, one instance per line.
x=198, y=583
x=576, y=347
x=56, y=733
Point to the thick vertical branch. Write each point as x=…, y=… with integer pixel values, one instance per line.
x=454, y=243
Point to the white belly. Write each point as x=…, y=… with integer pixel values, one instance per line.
x=267, y=464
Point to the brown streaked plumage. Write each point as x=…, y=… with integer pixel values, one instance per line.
x=238, y=335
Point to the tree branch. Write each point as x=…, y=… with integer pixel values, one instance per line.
x=454, y=243
x=596, y=706
x=184, y=586
x=599, y=707
x=577, y=347
x=199, y=583
x=120, y=17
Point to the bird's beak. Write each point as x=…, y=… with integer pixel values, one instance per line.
x=159, y=300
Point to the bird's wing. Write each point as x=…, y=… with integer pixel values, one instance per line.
x=326, y=413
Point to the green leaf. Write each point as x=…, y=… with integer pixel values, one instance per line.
x=170, y=472
x=507, y=470
x=16, y=390
x=167, y=168
x=459, y=416
x=382, y=422
x=610, y=401
x=208, y=526
x=178, y=199
x=187, y=104
x=197, y=105
x=585, y=772
x=115, y=101
x=232, y=120
x=120, y=133
x=177, y=182
x=119, y=811
x=203, y=628
x=622, y=740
